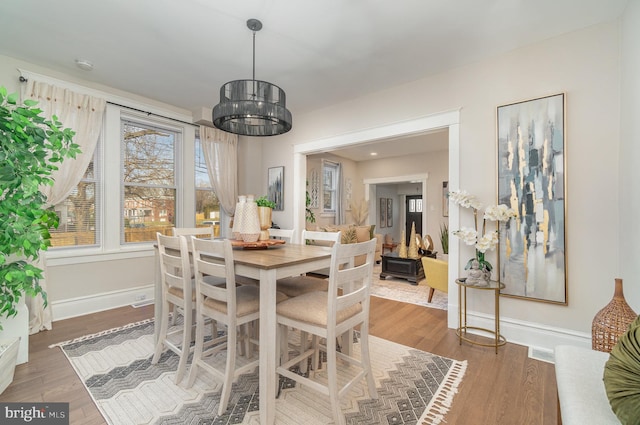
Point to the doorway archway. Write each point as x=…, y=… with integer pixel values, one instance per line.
x=450, y=120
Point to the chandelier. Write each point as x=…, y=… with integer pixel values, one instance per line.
x=252, y=107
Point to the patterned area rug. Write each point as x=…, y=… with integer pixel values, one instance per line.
x=414, y=387
x=401, y=290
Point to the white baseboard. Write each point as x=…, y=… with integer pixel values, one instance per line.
x=540, y=338
x=66, y=309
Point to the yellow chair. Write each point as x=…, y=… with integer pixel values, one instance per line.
x=436, y=274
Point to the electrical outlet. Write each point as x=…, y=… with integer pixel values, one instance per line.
x=141, y=297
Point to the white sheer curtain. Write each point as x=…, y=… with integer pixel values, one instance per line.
x=221, y=155
x=84, y=114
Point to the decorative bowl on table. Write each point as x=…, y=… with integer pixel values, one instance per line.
x=256, y=244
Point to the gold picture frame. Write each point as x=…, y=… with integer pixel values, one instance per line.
x=531, y=152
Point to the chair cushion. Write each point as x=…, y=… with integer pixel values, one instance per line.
x=247, y=300
x=178, y=292
x=312, y=308
x=622, y=376
x=298, y=285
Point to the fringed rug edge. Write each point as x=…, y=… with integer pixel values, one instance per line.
x=101, y=333
x=439, y=406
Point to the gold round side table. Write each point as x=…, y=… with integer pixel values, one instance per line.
x=463, y=327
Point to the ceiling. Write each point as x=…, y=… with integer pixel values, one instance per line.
x=319, y=52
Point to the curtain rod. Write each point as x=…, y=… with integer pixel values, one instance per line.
x=151, y=113
x=24, y=80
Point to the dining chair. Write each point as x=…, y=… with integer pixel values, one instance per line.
x=328, y=315
x=200, y=232
x=177, y=292
x=196, y=231
x=284, y=234
x=298, y=285
x=232, y=305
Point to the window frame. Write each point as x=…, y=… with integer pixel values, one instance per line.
x=335, y=187
x=178, y=143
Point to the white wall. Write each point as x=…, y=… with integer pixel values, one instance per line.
x=586, y=66
x=629, y=225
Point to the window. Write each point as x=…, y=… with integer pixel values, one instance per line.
x=329, y=186
x=78, y=214
x=149, y=181
x=207, y=204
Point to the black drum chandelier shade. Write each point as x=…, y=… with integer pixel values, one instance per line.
x=252, y=107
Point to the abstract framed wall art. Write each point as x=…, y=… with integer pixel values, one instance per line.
x=275, y=189
x=389, y=212
x=532, y=181
x=383, y=212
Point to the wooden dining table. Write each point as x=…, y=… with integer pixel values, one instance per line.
x=266, y=266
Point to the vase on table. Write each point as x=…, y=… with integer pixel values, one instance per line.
x=264, y=214
x=238, y=217
x=250, y=225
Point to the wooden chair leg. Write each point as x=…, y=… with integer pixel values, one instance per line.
x=186, y=344
x=197, y=354
x=230, y=369
x=162, y=335
x=332, y=381
x=366, y=362
x=431, y=291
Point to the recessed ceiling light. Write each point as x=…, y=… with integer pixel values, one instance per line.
x=84, y=64
x=373, y=153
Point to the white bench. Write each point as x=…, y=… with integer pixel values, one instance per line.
x=581, y=394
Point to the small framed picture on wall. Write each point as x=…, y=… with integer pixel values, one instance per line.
x=383, y=212
x=389, y=212
x=445, y=199
x=275, y=190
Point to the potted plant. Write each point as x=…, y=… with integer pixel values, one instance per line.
x=31, y=146
x=444, y=238
x=265, y=206
x=8, y=355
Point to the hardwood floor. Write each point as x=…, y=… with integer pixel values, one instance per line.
x=503, y=389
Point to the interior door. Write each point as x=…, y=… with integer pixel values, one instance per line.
x=413, y=208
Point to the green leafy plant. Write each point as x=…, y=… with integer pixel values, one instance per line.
x=264, y=202
x=30, y=149
x=444, y=238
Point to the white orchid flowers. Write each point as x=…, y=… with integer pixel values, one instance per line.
x=483, y=241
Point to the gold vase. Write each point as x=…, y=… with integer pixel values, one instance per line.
x=413, y=245
x=264, y=215
x=402, y=247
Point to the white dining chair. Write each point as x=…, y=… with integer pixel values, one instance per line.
x=328, y=315
x=284, y=234
x=206, y=231
x=232, y=305
x=177, y=293
x=297, y=285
